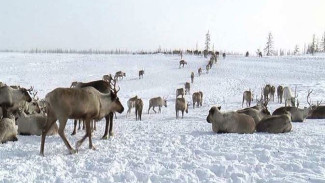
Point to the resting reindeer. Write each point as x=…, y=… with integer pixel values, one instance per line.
x=131, y=104
x=192, y=77
x=275, y=124
x=103, y=87
x=257, y=112
x=8, y=130
x=182, y=62
x=279, y=92
x=297, y=115
x=289, y=98
x=187, y=88
x=230, y=122
x=78, y=103
x=318, y=112
x=197, y=98
x=138, y=108
x=180, y=91
x=199, y=71
x=157, y=102
x=141, y=73
x=10, y=99
x=181, y=105
x=33, y=124
x=119, y=74
x=248, y=97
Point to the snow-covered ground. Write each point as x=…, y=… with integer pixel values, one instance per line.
x=161, y=148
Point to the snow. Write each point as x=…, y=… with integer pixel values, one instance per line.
x=161, y=148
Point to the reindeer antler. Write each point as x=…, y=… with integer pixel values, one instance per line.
x=308, y=97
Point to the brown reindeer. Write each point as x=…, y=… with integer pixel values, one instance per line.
x=180, y=91
x=78, y=103
x=230, y=122
x=157, y=102
x=279, y=92
x=138, y=109
x=248, y=97
x=181, y=105
x=207, y=67
x=192, y=77
x=141, y=73
x=182, y=63
x=275, y=124
x=187, y=88
x=107, y=77
x=199, y=71
x=272, y=91
x=267, y=91
x=257, y=112
x=197, y=98
x=131, y=104
x=119, y=74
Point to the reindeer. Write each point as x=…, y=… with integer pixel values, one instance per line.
x=275, y=124
x=187, y=88
x=103, y=87
x=138, y=108
x=107, y=78
x=180, y=91
x=297, y=115
x=267, y=91
x=207, y=67
x=192, y=77
x=181, y=105
x=78, y=103
x=318, y=112
x=199, y=71
x=131, y=104
x=289, y=99
x=141, y=73
x=73, y=84
x=8, y=130
x=182, y=62
x=119, y=74
x=272, y=91
x=257, y=112
x=279, y=92
x=33, y=124
x=248, y=97
x=10, y=99
x=158, y=101
x=197, y=98
x=230, y=122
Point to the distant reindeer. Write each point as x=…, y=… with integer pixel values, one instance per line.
x=107, y=77
x=157, y=102
x=119, y=74
x=279, y=93
x=267, y=91
x=248, y=97
x=272, y=91
x=141, y=73
x=182, y=62
x=192, y=77
x=207, y=67
x=187, y=88
x=224, y=55
x=138, y=109
x=180, y=91
x=199, y=71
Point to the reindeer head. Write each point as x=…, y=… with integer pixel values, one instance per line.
x=117, y=106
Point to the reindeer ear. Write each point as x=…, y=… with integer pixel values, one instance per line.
x=219, y=108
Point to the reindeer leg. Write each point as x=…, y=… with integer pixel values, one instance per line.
x=149, y=109
x=88, y=131
x=153, y=108
x=182, y=114
x=75, y=127
x=79, y=127
x=63, y=123
x=89, y=134
x=49, y=123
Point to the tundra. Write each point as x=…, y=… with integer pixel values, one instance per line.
x=230, y=122
x=78, y=103
x=157, y=102
x=181, y=105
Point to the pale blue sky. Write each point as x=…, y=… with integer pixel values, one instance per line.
x=147, y=24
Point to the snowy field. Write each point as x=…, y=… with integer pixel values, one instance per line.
x=161, y=148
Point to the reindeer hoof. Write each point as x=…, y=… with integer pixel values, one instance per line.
x=111, y=134
x=92, y=147
x=72, y=151
x=105, y=137
x=73, y=133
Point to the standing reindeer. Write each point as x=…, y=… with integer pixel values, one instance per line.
x=187, y=88
x=192, y=77
x=248, y=97
x=138, y=109
x=197, y=98
x=207, y=67
x=141, y=73
x=131, y=104
x=272, y=91
x=199, y=71
x=267, y=91
x=182, y=62
x=119, y=74
x=279, y=92
x=180, y=91
x=289, y=98
x=157, y=102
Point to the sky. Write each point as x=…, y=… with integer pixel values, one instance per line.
x=234, y=25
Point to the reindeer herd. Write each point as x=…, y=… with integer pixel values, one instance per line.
x=23, y=113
